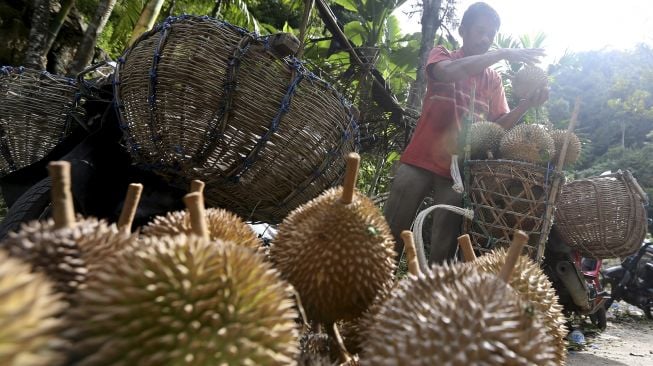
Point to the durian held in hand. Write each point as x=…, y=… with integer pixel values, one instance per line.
x=528, y=80
x=30, y=321
x=336, y=250
x=185, y=299
x=221, y=223
x=65, y=248
x=456, y=314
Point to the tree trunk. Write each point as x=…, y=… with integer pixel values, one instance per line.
x=430, y=23
x=216, y=8
x=147, y=19
x=86, y=48
x=56, y=24
x=38, y=33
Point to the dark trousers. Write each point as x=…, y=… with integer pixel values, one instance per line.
x=411, y=185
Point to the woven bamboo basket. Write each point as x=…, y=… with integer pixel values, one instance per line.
x=506, y=196
x=603, y=217
x=36, y=112
x=202, y=99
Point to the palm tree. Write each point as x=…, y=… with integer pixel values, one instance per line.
x=35, y=55
x=86, y=48
x=147, y=18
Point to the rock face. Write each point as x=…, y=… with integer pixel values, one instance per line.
x=15, y=18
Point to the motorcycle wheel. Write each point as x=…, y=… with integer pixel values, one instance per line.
x=34, y=204
x=599, y=318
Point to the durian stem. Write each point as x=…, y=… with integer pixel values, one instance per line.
x=129, y=208
x=351, y=174
x=411, y=252
x=63, y=210
x=334, y=334
x=519, y=239
x=196, y=185
x=195, y=205
x=465, y=245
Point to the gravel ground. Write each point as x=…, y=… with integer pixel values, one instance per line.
x=627, y=340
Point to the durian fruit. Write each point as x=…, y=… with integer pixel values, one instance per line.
x=528, y=143
x=527, y=80
x=573, y=149
x=63, y=248
x=485, y=138
x=354, y=332
x=222, y=224
x=185, y=300
x=29, y=322
x=337, y=251
x=533, y=287
x=475, y=319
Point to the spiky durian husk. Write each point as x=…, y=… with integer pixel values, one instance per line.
x=222, y=225
x=528, y=143
x=485, y=136
x=535, y=288
x=527, y=80
x=29, y=322
x=573, y=149
x=315, y=349
x=354, y=332
x=185, y=300
x=66, y=255
x=474, y=319
x=337, y=256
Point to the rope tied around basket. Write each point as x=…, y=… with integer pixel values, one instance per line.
x=246, y=163
x=218, y=123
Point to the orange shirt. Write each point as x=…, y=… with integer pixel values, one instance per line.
x=444, y=106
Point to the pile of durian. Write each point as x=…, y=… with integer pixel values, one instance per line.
x=194, y=288
x=533, y=143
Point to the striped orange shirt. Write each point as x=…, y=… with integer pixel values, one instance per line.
x=444, y=106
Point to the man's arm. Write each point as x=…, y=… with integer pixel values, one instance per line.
x=511, y=118
x=448, y=71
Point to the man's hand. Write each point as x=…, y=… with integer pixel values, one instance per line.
x=536, y=99
x=529, y=56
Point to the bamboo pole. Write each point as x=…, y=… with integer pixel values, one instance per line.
x=557, y=182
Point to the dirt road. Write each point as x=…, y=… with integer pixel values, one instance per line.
x=627, y=340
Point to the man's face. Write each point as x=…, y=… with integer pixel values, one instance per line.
x=478, y=36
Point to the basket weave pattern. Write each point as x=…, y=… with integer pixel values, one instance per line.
x=603, y=217
x=202, y=99
x=36, y=110
x=505, y=196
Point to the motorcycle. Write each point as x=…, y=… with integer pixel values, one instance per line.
x=632, y=280
x=577, y=281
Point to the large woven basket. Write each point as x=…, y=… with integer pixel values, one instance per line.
x=202, y=99
x=603, y=217
x=505, y=196
x=36, y=111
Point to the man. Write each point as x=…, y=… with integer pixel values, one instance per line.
x=452, y=76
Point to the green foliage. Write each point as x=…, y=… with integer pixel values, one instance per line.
x=616, y=89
